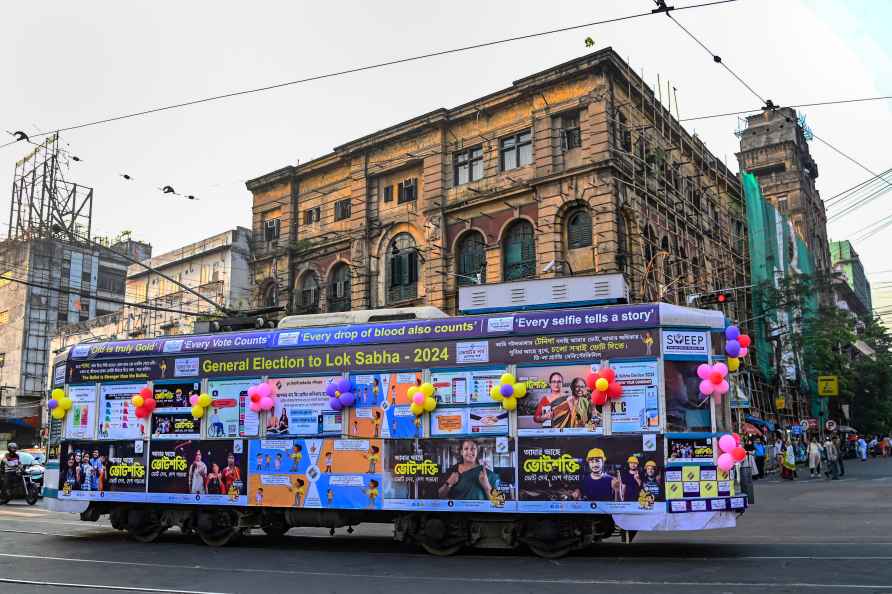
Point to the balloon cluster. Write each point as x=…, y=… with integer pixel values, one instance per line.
x=261, y=397
x=144, y=402
x=508, y=391
x=713, y=380
x=736, y=346
x=604, y=386
x=340, y=394
x=422, y=398
x=199, y=404
x=732, y=452
x=58, y=404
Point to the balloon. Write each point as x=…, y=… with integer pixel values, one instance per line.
x=732, y=332
x=334, y=403
x=703, y=371
x=715, y=377
x=266, y=403
x=145, y=392
x=706, y=387
x=507, y=378
x=52, y=404
x=58, y=413
x=727, y=443
x=602, y=384
x=520, y=389
x=418, y=398
x=732, y=348
x=599, y=398
x=58, y=394
x=736, y=437
x=733, y=364
x=252, y=391
x=137, y=401
x=141, y=413
x=744, y=341
x=193, y=400
x=416, y=409
x=265, y=390
x=204, y=400
x=347, y=399
x=721, y=368
x=255, y=406
x=344, y=385
x=149, y=404
x=255, y=397
x=615, y=390
x=743, y=352
x=607, y=373
x=430, y=403
x=509, y=403
x=722, y=388
x=65, y=403
x=507, y=390
x=428, y=389
x=494, y=393
x=197, y=412
x=726, y=462
x=590, y=380
x=330, y=389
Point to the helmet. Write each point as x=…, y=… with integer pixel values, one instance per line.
x=596, y=453
x=632, y=459
x=12, y=446
x=650, y=464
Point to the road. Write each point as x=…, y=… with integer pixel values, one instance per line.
x=805, y=536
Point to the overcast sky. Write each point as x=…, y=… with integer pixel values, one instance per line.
x=63, y=63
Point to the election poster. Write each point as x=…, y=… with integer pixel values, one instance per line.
x=301, y=404
x=459, y=474
x=230, y=412
x=682, y=450
x=117, y=415
x=175, y=396
x=315, y=473
x=465, y=387
x=577, y=474
x=382, y=406
x=468, y=420
x=175, y=425
x=198, y=471
x=102, y=471
x=558, y=400
x=80, y=421
x=639, y=408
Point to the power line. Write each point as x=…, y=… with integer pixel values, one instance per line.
x=857, y=187
x=794, y=106
x=853, y=160
x=370, y=67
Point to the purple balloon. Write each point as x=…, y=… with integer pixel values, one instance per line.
x=330, y=389
x=335, y=404
x=732, y=348
x=347, y=399
x=732, y=332
x=344, y=385
x=507, y=390
x=53, y=403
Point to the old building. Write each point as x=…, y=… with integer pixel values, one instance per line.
x=578, y=169
x=856, y=290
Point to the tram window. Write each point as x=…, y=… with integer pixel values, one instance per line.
x=686, y=408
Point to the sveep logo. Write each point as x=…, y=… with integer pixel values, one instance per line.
x=684, y=342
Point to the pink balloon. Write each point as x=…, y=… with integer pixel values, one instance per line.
x=726, y=462
x=722, y=388
x=418, y=398
x=193, y=399
x=266, y=402
x=255, y=407
x=727, y=443
x=703, y=371
x=251, y=391
x=743, y=352
x=706, y=387
x=265, y=390
x=721, y=368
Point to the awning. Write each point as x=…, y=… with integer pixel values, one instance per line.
x=750, y=429
x=759, y=422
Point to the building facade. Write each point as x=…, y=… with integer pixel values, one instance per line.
x=578, y=169
x=846, y=263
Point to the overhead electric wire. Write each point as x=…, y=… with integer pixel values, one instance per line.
x=794, y=106
x=356, y=69
x=853, y=160
x=857, y=187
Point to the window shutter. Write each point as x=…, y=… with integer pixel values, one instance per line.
x=396, y=270
x=412, y=258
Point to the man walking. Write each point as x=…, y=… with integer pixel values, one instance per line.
x=832, y=456
x=759, y=455
x=862, y=448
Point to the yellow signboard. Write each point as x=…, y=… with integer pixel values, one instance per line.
x=780, y=403
x=828, y=385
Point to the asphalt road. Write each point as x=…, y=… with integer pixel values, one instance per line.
x=805, y=536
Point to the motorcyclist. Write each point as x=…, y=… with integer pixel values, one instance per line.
x=9, y=465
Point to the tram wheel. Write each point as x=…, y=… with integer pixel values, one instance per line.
x=217, y=530
x=276, y=530
x=549, y=552
x=442, y=551
x=217, y=538
x=146, y=534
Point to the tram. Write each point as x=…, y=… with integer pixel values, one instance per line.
x=555, y=464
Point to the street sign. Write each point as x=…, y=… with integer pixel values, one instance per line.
x=804, y=424
x=830, y=425
x=828, y=385
x=796, y=430
x=780, y=403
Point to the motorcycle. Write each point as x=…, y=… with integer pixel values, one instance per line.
x=18, y=482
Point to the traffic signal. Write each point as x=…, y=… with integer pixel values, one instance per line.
x=716, y=298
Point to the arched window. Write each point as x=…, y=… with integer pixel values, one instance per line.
x=402, y=269
x=339, y=288
x=471, y=259
x=309, y=292
x=579, y=229
x=269, y=296
x=519, y=251
x=623, y=253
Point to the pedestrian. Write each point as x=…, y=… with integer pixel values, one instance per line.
x=814, y=458
x=862, y=448
x=759, y=455
x=839, y=456
x=788, y=464
x=872, y=446
x=832, y=453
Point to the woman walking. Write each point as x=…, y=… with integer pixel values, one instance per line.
x=814, y=459
x=788, y=464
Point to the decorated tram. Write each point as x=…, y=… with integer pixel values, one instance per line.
x=551, y=429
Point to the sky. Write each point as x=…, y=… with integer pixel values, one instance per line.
x=65, y=63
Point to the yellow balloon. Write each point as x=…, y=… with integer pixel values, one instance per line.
x=520, y=389
x=197, y=411
x=58, y=413
x=430, y=404
x=602, y=384
x=65, y=403
x=204, y=400
x=427, y=389
x=509, y=403
x=416, y=409
x=137, y=401
x=58, y=394
x=495, y=394
x=507, y=378
x=733, y=364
